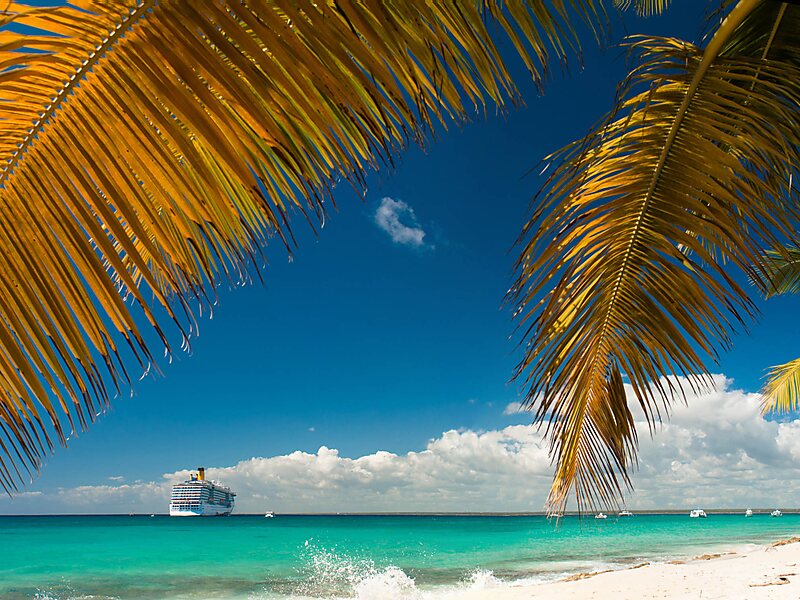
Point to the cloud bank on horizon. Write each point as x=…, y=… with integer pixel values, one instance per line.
x=717, y=451
x=398, y=219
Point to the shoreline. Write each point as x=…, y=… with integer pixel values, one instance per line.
x=770, y=571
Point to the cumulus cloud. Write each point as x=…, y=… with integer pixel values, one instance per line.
x=716, y=452
x=397, y=218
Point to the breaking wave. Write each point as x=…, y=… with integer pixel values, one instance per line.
x=332, y=575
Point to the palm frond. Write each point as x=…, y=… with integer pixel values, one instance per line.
x=625, y=267
x=781, y=271
x=644, y=8
x=781, y=392
x=155, y=147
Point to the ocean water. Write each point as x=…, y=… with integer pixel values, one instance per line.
x=360, y=557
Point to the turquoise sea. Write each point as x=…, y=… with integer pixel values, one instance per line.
x=363, y=557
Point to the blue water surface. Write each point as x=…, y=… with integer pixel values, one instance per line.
x=149, y=558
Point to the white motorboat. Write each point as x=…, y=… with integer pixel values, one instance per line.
x=601, y=515
x=698, y=513
x=269, y=514
x=625, y=513
x=776, y=513
x=748, y=513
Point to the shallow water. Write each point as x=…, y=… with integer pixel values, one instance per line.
x=364, y=557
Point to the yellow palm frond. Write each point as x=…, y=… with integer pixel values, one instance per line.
x=645, y=8
x=152, y=147
x=625, y=267
x=781, y=392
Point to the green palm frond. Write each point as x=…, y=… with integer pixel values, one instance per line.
x=151, y=148
x=625, y=267
x=645, y=8
x=781, y=271
x=781, y=393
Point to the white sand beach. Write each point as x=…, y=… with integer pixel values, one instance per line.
x=770, y=572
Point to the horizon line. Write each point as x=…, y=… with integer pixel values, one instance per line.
x=669, y=511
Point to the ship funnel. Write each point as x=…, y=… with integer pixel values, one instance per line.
x=201, y=473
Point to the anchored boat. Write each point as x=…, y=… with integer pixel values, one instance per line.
x=198, y=497
x=698, y=513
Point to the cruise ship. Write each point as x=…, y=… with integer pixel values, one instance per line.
x=197, y=497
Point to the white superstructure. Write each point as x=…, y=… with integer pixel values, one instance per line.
x=200, y=498
x=698, y=513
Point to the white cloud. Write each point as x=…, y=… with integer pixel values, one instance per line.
x=397, y=219
x=513, y=408
x=716, y=452
x=116, y=478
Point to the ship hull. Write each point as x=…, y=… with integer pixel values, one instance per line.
x=203, y=511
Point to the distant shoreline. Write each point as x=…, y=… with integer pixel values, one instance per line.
x=710, y=512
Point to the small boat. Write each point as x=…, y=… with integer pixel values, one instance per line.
x=269, y=514
x=625, y=513
x=698, y=513
x=601, y=515
x=748, y=513
x=776, y=513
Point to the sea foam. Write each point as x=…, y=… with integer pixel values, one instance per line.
x=332, y=575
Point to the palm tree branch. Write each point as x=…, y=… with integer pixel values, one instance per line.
x=150, y=150
x=723, y=34
x=781, y=392
x=781, y=269
x=80, y=73
x=603, y=283
x=645, y=8
x=775, y=28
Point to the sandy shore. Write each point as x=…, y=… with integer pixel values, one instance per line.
x=768, y=572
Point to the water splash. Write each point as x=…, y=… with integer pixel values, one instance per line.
x=66, y=592
x=331, y=574
x=482, y=579
x=389, y=584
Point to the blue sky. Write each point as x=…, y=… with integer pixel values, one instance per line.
x=363, y=343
